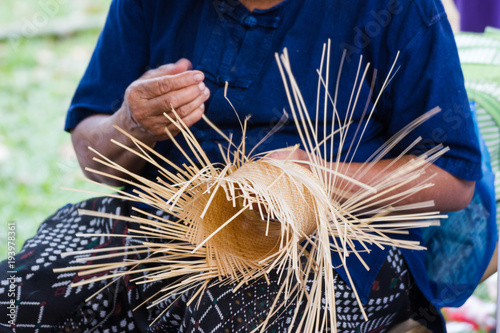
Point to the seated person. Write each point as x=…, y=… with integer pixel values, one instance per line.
x=152, y=55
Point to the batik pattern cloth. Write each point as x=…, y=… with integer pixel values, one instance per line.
x=47, y=301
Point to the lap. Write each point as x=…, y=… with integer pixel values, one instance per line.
x=221, y=310
x=46, y=301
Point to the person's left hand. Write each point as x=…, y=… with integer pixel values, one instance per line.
x=292, y=154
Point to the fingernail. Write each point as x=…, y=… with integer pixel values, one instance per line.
x=202, y=107
x=202, y=86
x=198, y=77
x=207, y=92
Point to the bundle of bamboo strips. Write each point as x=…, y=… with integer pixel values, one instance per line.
x=238, y=222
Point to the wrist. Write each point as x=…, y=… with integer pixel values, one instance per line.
x=123, y=119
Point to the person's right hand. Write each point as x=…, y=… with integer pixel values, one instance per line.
x=157, y=92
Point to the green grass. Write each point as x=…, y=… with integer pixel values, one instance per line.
x=40, y=13
x=37, y=79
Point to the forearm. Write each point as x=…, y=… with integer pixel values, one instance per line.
x=96, y=132
x=449, y=193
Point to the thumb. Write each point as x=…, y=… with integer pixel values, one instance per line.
x=180, y=66
x=292, y=154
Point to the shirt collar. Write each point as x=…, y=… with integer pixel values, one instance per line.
x=266, y=18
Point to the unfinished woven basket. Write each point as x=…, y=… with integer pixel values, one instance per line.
x=250, y=237
x=254, y=215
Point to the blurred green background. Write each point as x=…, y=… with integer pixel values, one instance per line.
x=45, y=46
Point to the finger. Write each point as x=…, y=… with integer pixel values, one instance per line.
x=184, y=110
x=177, y=99
x=182, y=65
x=190, y=119
x=292, y=154
x=285, y=154
x=155, y=87
x=159, y=124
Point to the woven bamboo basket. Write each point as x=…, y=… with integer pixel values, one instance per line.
x=256, y=214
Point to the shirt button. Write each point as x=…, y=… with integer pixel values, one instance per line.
x=250, y=21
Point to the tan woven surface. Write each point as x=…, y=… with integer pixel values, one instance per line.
x=249, y=237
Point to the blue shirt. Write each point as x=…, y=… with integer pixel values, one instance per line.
x=229, y=43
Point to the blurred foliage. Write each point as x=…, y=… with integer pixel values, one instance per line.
x=42, y=12
x=37, y=79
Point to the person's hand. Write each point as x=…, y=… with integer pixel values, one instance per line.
x=292, y=154
x=157, y=92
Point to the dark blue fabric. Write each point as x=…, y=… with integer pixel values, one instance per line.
x=228, y=43
x=469, y=234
